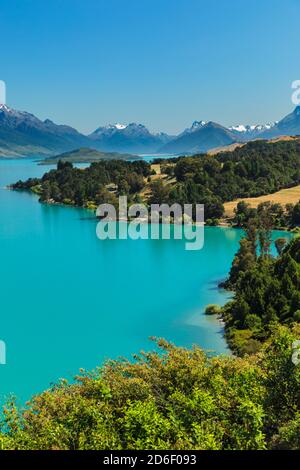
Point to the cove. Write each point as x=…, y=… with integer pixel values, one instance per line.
x=69, y=300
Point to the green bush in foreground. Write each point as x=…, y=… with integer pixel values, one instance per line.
x=178, y=399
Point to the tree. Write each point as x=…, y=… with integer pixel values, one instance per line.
x=243, y=261
x=241, y=212
x=265, y=228
x=160, y=193
x=280, y=244
x=296, y=214
x=245, y=258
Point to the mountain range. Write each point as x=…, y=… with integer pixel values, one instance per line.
x=23, y=134
x=130, y=138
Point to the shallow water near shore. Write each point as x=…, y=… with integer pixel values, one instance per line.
x=70, y=301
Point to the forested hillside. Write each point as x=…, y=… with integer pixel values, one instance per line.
x=267, y=289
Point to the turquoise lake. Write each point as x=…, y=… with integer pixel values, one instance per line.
x=70, y=301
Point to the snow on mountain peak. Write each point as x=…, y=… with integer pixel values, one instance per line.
x=254, y=128
x=238, y=128
x=117, y=126
x=4, y=107
x=120, y=126
x=197, y=124
x=194, y=127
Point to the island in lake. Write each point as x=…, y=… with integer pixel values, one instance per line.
x=87, y=155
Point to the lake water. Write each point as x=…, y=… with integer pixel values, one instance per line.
x=70, y=301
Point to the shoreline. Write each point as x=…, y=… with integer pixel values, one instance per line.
x=223, y=223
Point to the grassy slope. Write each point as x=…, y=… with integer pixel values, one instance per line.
x=284, y=196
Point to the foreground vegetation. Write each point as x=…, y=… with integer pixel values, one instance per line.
x=179, y=399
x=267, y=289
x=255, y=169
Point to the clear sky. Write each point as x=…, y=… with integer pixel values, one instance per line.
x=163, y=63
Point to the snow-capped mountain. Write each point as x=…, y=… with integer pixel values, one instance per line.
x=120, y=126
x=128, y=138
x=242, y=131
x=109, y=129
x=22, y=133
x=254, y=128
x=248, y=132
x=203, y=138
x=194, y=127
x=289, y=125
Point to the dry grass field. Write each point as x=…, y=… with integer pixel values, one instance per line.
x=285, y=196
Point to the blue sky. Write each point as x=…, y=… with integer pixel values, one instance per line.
x=163, y=63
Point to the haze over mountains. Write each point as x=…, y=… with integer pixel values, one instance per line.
x=23, y=134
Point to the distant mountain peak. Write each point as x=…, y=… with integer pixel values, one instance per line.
x=196, y=125
x=133, y=137
x=256, y=128
x=239, y=128
x=13, y=112
x=204, y=137
x=22, y=133
x=121, y=127
x=117, y=126
x=4, y=107
x=16, y=114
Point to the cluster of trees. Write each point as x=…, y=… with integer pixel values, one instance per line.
x=267, y=289
x=81, y=187
x=255, y=169
x=288, y=216
x=187, y=193
x=178, y=399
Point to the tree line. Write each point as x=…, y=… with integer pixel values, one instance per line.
x=287, y=216
x=256, y=169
